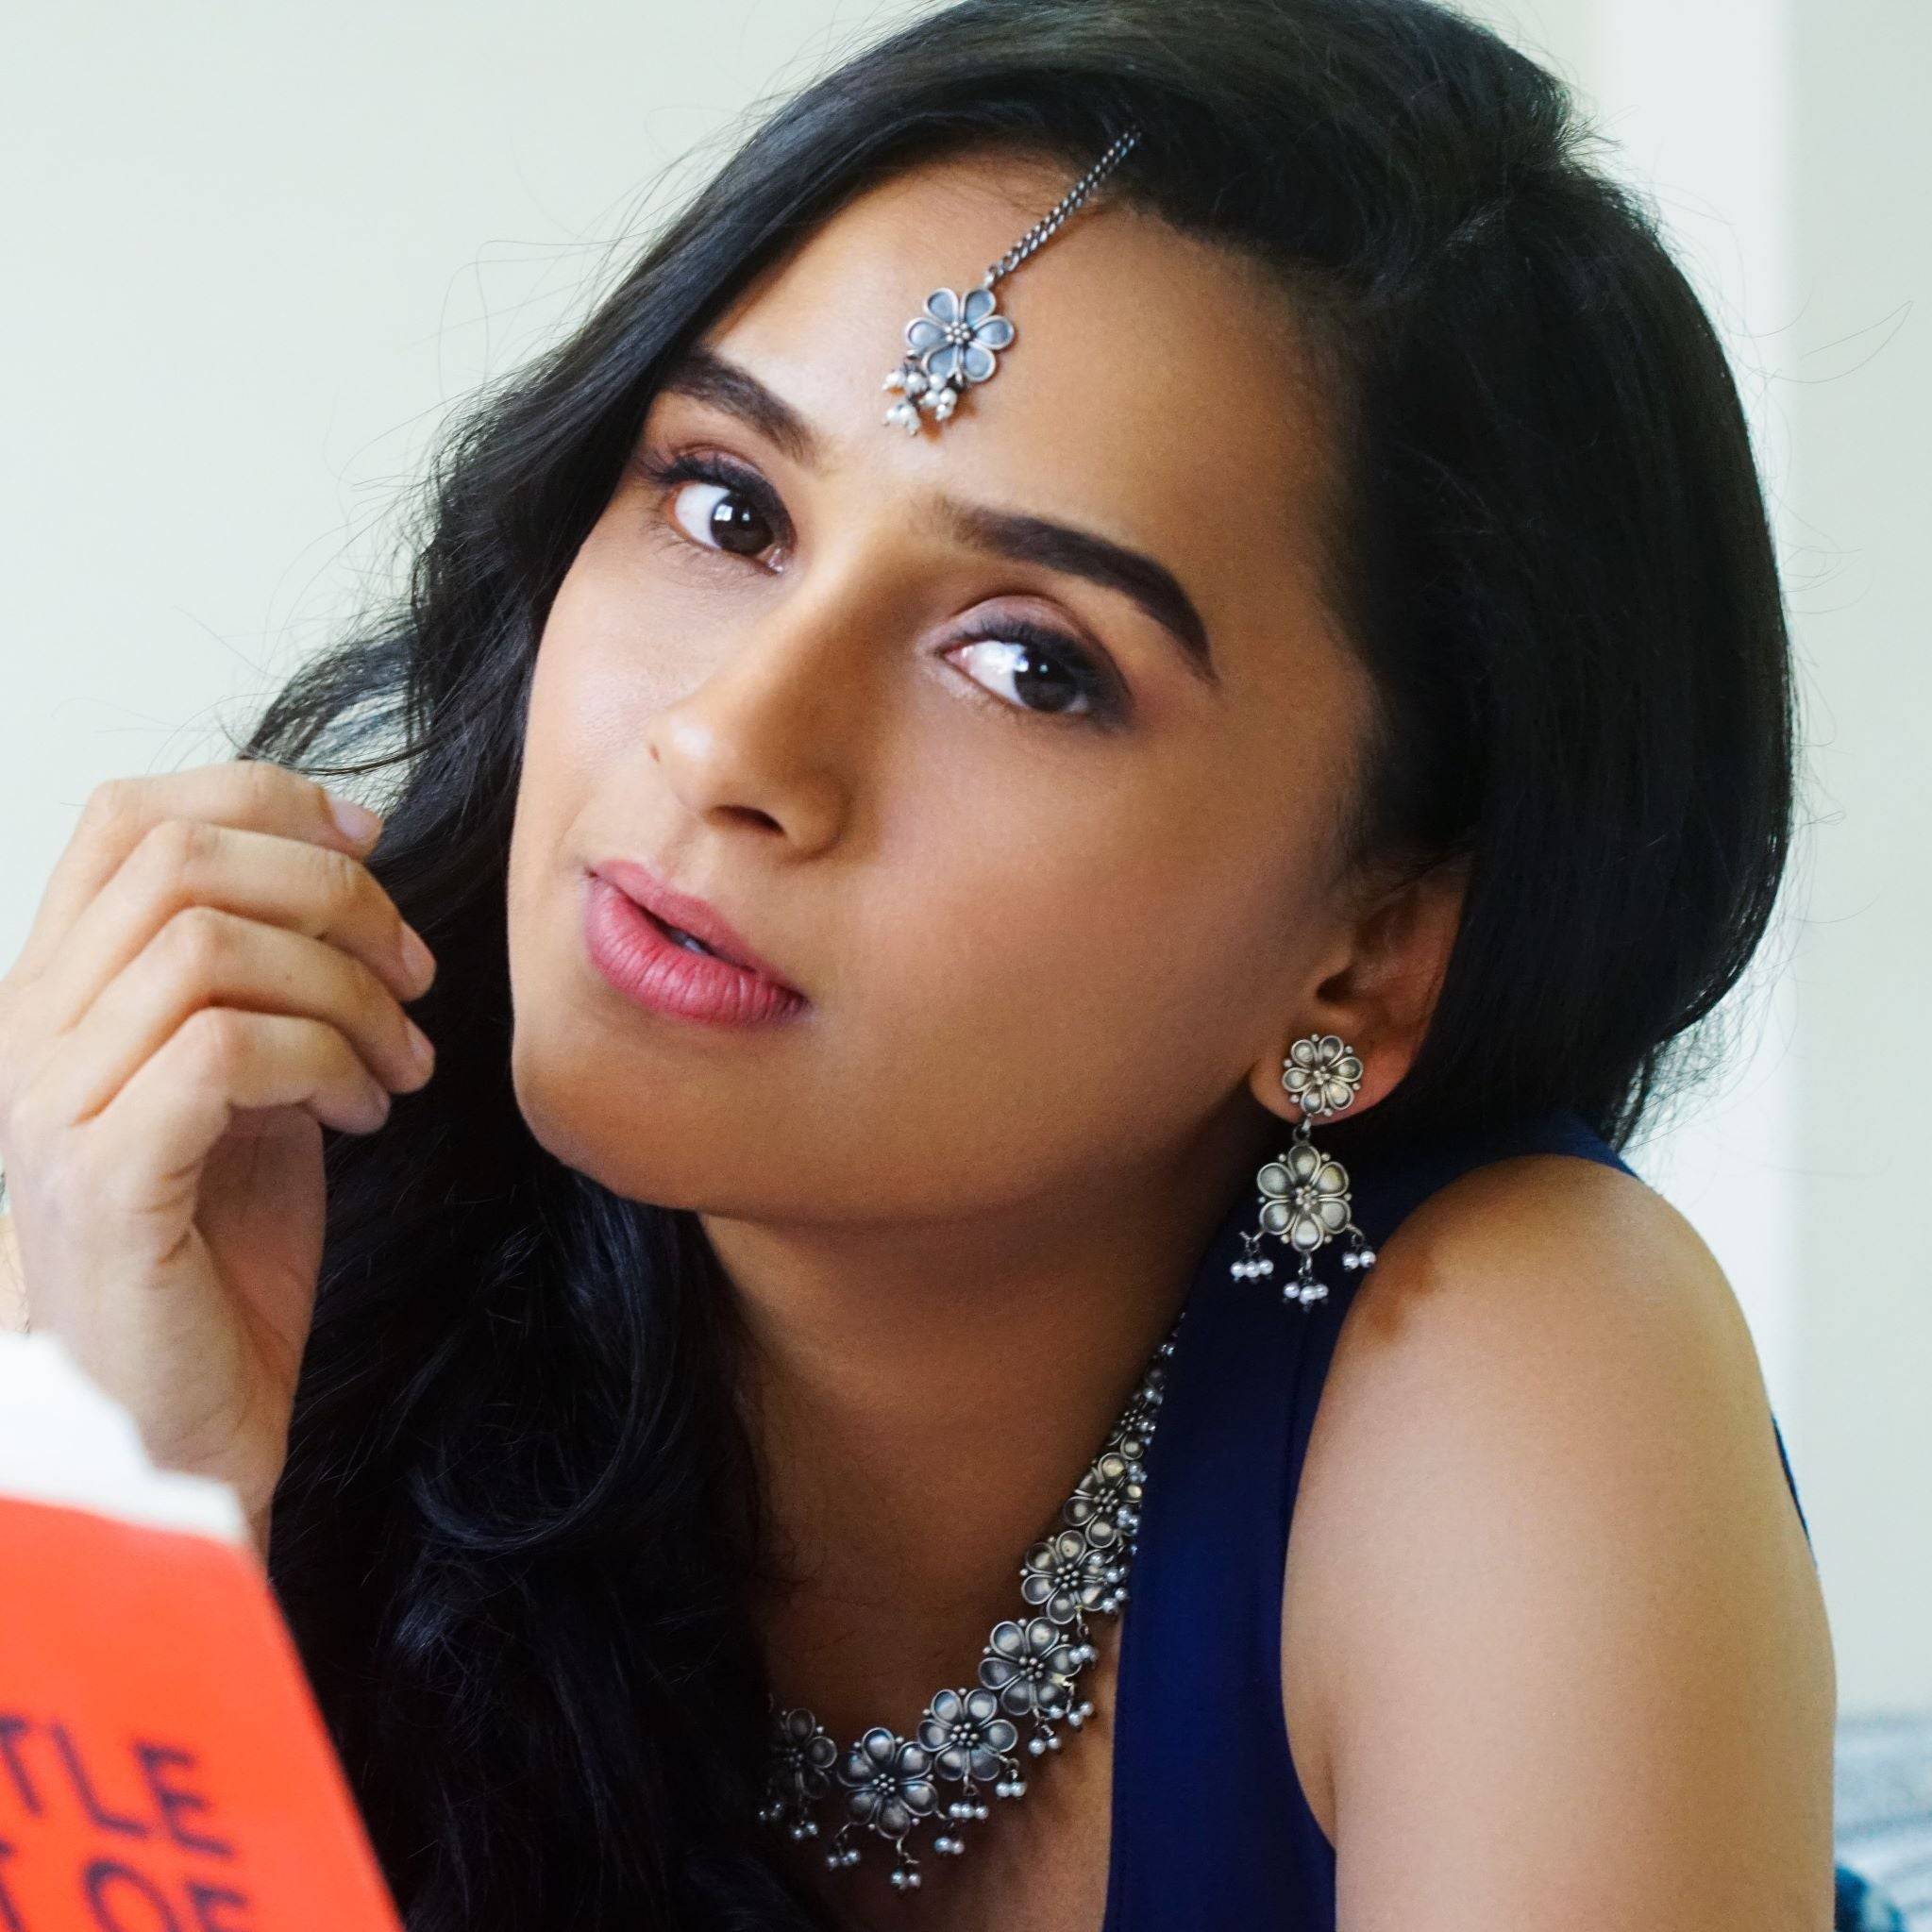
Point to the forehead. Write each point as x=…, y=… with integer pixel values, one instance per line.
x=1156, y=389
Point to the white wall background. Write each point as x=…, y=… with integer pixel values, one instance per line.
x=256, y=251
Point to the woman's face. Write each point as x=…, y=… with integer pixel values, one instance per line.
x=1054, y=872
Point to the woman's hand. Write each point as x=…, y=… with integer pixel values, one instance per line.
x=212, y=977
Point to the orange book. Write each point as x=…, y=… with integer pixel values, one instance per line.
x=163, y=1767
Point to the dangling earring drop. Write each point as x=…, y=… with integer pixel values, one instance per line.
x=1304, y=1192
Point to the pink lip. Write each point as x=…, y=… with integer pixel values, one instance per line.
x=641, y=962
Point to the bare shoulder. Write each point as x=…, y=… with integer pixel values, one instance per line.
x=1546, y=1571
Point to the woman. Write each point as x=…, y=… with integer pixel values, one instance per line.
x=1327, y=649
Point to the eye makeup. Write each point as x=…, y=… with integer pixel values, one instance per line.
x=1041, y=650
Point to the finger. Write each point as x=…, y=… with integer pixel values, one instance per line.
x=150, y=1142
x=204, y=958
x=181, y=864
x=246, y=793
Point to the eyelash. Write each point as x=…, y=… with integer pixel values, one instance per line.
x=1105, y=701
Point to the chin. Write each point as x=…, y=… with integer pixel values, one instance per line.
x=642, y=1133
x=582, y=1109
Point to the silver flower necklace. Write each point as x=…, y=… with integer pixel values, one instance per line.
x=1030, y=1668
x=966, y=1740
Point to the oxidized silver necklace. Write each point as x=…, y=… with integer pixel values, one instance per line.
x=1030, y=1668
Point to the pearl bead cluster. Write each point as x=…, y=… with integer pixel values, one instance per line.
x=938, y=399
x=1253, y=1268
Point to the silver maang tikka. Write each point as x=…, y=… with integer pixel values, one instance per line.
x=1304, y=1192
x=956, y=340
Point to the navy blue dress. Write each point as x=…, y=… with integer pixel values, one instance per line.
x=1223, y=1836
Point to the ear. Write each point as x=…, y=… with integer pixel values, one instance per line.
x=1378, y=989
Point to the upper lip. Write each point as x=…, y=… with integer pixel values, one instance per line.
x=639, y=883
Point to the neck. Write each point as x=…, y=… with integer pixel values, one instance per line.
x=923, y=1397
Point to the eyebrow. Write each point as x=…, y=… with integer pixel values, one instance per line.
x=708, y=376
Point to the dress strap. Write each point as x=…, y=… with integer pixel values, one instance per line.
x=1210, y=1823
x=1201, y=1833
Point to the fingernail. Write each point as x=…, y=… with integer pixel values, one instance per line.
x=418, y=962
x=419, y=1044
x=357, y=821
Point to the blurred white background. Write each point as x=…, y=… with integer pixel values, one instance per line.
x=255, y=252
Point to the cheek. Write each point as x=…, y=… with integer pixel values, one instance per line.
x=590, y=689
x=556, y=775
x=1058, y=975
x=582, y=720
x=592, y=695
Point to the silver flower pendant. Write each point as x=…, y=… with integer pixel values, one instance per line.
x=1305, y=1205
x=954, y=342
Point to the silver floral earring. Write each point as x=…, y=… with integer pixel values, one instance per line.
x=1304, y=1192
x=955, y=341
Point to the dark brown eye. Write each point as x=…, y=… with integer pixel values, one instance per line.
x=727, y=523
x=1043, y=672
x=726, y=510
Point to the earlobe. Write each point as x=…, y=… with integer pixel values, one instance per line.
x=1380, y=1000
x=1279, y=1083
x=1314, y=1062
x=1377, y=1004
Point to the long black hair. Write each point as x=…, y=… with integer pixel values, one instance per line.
x=519, y=1522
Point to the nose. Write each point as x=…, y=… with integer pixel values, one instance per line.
x=761, y=742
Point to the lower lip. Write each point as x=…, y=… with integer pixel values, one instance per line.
x=659, y=974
